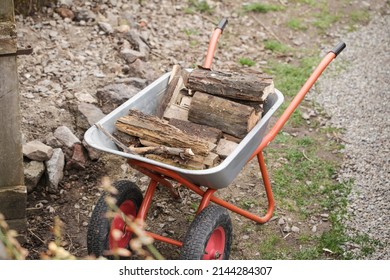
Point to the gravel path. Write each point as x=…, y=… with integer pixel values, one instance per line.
x=358, y=99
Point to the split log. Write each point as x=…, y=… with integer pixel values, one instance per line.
x=208, y=133
x=177, y=112
x=163, y=150
x=231, y=85
x=230, y=117
x=169, y=92
x=210, y=160
x=225, y=148
x=189, y=164
x=156, y=130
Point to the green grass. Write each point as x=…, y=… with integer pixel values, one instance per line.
x=275, y=46
x=198, y=6
x=191, y=31
x=325, y=20
x=262, y=8
x=244, y=61
x=290, y=78
x=360, y=16
x=296, y=24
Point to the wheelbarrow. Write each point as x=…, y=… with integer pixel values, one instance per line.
x=209, y=236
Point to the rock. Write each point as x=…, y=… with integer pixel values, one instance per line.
x=36, y=150
x=314, y=229
x=54, y=170
x=85, y=15
x=79, y=159
x=65, y=13
x=93, y=154
x=33, y=172
x=92, y=113
x=287, y=228
x=137, y=82
x=52, y=141
x=141, y=68
x=67, y=3
x=66, y=136
x=131, y=55
x=295, y=229
x=85, y=97
x=113, y=95
x=138, y=42
x=123, y=28
x=106, y=27
x=281, y=221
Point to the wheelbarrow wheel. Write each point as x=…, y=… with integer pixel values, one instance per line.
x=209, y=236
x=99, y=237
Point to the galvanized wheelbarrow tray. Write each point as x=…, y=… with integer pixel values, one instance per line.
x=217, y=177
x=210, y=234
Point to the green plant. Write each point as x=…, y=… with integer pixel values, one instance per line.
x=261, y=8
x=325, y=19
x=244, y=61
x=200, y=6
x=275, y=46
x=296, y=24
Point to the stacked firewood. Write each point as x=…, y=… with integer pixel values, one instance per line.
x=200, y=120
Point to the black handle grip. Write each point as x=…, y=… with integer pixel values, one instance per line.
x=339, y=48
x=222, y=24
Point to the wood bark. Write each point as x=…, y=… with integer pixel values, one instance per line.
x=230, y=117
x=208, y=133
x=153, y=129
x=231, y=85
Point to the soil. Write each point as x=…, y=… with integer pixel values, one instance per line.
x=175, y=37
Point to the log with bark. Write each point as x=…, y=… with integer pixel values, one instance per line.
x=205, y=132
x=231, y=85
x=154, y=129
x=230, y=117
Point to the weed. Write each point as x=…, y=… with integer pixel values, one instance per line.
x=296, y=24
x=244, y=61
x=325, y=19
x=290, y=78
x=191, y=31
x=275, y=46
x=261, y=8
x=360, y=16
x=200, y=6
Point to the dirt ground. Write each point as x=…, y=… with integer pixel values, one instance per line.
x=175, y=36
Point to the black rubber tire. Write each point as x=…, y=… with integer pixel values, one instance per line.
x=200, y=230
x=99, y=225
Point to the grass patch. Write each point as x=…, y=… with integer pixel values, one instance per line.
x=360, y=16
x=325, y=19
x=244, y=61
x=262, y=8
x=275, y=46
x=290, y=78
x=296, y=24
x=198, y=6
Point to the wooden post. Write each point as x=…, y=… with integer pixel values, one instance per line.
x=13, y=193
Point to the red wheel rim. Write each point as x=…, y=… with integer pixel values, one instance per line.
x=216, y=245
x=129, y=209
